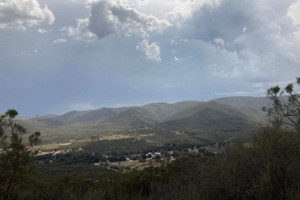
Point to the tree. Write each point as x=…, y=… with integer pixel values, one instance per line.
x=15, y=160
x=285, y=108
x=278, y=147
x=34, y=139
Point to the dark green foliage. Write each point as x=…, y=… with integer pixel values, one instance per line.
x=285, y=109
x=34, y=139
x=16, y=170
x=269, y=168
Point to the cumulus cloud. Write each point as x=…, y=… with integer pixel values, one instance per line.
x=152, y=51
x=184, y=10
x=109, y=16
x=259, y=37
x=293, y=12
x=42, y=31
x=101, y=22
x=219, y=41
x=59, y=40
x=256, y=39
x=177, y=59
x=22, y=14
x=81, y=32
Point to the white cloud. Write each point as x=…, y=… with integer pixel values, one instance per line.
x=247, y=39
x=177, y=59
x=42, y=31
x=182, y=9
x=59, y=40
x=81, y=106
x=262, y=37
x=81, y=32
x=112, y=16
x=219, y=41
x=22, y=14
x=168, y=9
x=294, y=13
x=152, y=51
x=135, y=22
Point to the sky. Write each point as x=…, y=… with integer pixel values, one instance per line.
x=57, y=56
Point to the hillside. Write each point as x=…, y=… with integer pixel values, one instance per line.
x=223, y=115
x=133, y=116
x=250, y=106
x=78, y=116
x=162, y=110
x=209, y=117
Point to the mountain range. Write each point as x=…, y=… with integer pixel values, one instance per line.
x=223, y=115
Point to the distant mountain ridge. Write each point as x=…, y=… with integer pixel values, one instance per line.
x=230, y=114
x=251, y=106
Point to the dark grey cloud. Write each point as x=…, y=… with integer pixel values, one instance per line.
x=102, y=22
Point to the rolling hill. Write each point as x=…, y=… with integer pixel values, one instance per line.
x=223, y=115
x=250, y=106
x=209, y=117
x=133, y=116
x=162, y=110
